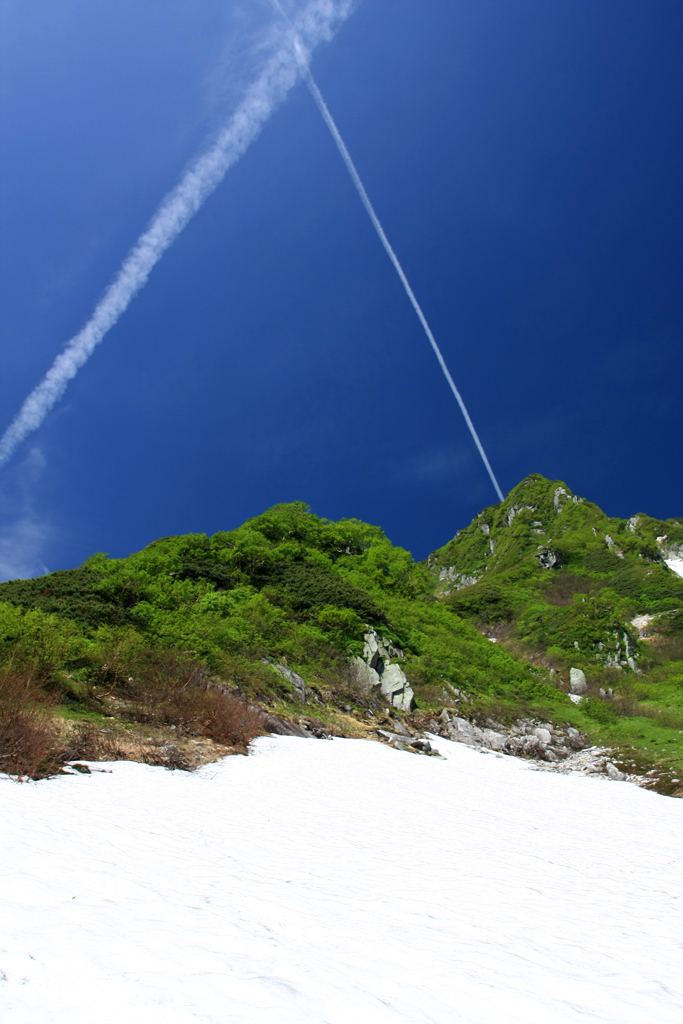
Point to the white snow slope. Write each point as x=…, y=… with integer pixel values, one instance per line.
x=340, y=882
x=676, y=565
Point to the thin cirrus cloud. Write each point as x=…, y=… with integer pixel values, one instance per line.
x=21, y=544
x=23, y=532
x=314, y=24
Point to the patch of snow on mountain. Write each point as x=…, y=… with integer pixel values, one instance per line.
x=320, y=882
x=676, y=565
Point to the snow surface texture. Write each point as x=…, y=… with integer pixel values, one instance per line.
x=340, y=881
x=676, y=565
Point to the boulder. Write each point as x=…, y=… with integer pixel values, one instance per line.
x=462, y=731
x=400, y=727
x=396, y=688
x=493, y=740
x=577, y=682
x=543, y=735
x=574, y=738
x=278, y=726
x=422, y=746
x=295, y=680
x=525, y=746
x=416, y=745
x=365, y=677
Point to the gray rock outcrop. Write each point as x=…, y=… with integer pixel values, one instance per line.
x=376, y=673
x=457, y=580
x=577, y=682
x=523, y=739
x=619, y=652
x=294, y=680
x=563, y=750
x=559, y=498
x=364, y=677
x=642, y=625
x=516, y=509
x=413, y=744
x=548, y=559
x=396, y=688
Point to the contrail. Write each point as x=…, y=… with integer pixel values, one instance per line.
x=360, y=188
x=315, y=23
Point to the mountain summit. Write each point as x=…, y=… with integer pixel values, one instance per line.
x=563, y=575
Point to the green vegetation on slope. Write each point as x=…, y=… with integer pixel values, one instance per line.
x=556, y=580
x=546, y=574
x=286, y=588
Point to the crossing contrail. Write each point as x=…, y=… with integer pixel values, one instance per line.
x=313, y=25
x=364, y=198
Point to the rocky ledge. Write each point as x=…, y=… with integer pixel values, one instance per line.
x=525, y=738
x=541, y=744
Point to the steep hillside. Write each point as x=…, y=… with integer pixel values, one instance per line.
x=323, y=622
x=187, y=649
x=553, y=578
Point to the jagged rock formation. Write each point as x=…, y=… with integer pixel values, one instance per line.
x=376, y=673
x=548, y=559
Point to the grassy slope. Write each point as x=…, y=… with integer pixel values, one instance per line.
x=288, y=587
x=579, y=611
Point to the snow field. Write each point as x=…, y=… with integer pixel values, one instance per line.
x=335, y=882
x=676, y=565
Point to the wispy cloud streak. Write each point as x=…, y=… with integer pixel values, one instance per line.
x=365, y=199
x=316, y=23
x=22, y=532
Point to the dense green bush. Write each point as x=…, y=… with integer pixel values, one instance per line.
x=286, y=586
x=487, y=602
x=599, y=710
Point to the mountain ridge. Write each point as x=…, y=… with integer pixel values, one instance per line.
x=286, y=614
x=545, y=545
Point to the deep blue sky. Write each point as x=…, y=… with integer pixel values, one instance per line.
x=526, y=160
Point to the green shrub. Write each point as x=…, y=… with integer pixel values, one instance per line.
x=485, y=602
x=599, y=710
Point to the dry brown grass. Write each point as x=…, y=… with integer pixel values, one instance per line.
x=95, y=744
x=562, y=588
x=28, y=741
x=188, y=718
x=171, y=689
x=665, y=648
